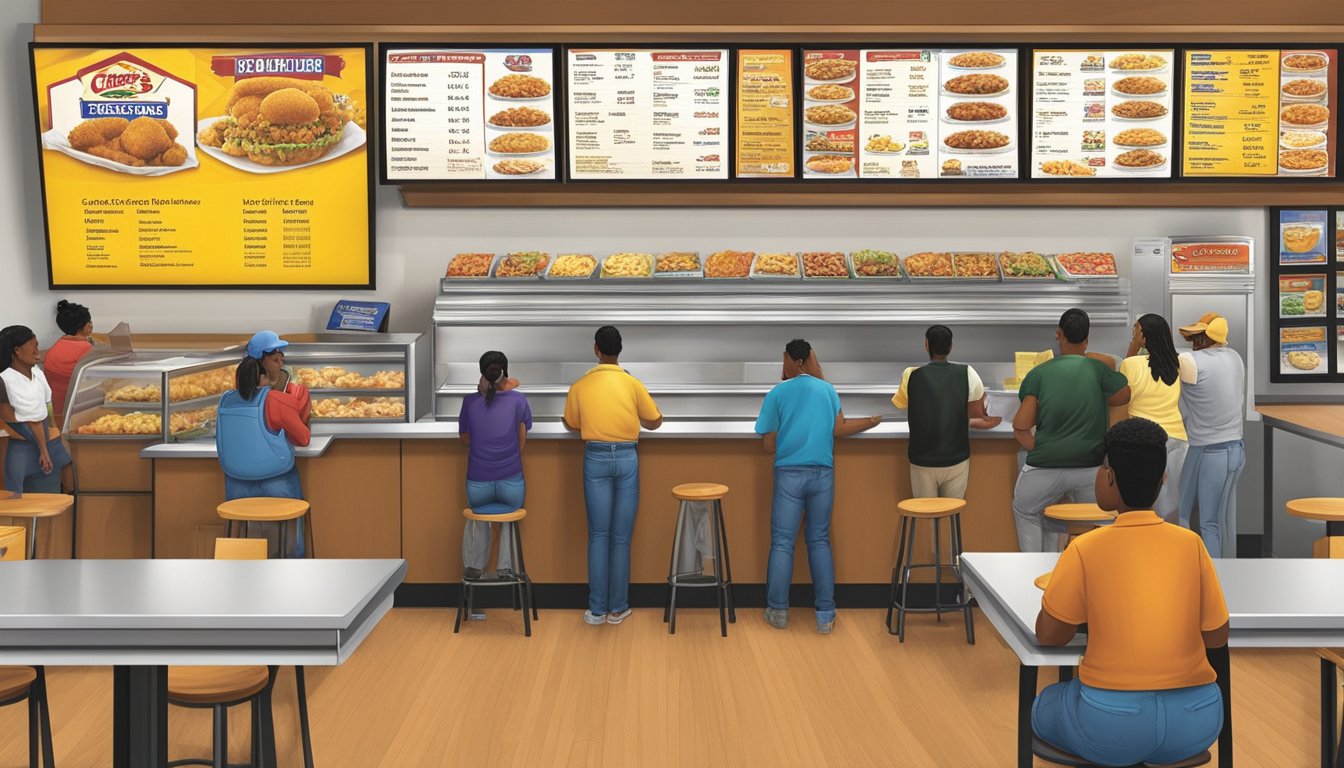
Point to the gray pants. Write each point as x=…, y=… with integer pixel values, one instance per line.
x=697, y=538
x=1038, y=488
x=476, y=545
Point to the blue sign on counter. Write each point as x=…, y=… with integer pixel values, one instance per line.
x=368, y=316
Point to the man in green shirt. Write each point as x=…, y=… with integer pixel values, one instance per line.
x=944, y=400
x=1066, y=402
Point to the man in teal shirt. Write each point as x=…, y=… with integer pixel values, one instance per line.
x=1066, y=401
x=799, y=422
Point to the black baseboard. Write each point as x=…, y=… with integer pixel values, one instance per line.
x=1248, y=545
x=575, y=596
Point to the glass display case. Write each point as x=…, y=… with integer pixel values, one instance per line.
x=352, y=378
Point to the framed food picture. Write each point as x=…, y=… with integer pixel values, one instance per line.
x=1306, y=310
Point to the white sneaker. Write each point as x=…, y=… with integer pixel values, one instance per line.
x=617, y=618
x=594, y=619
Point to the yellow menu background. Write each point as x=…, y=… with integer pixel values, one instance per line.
x=210, y=234
x=764, y=127
x=1235, y=130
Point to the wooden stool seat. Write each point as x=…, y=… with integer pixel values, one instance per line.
x=263, y=509
x=15, y=680
x=1331, y=510
x=505, y=517
x=699, y=491
x=929, y=508
x=36, y=505
x=1042, y=581
x=1078, y=513
x=1332, y=655
x=215, y=685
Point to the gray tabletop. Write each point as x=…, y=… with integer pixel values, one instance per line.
x=1273, y=603
x=128, y=612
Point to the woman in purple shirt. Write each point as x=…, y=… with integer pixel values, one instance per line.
x=493, y=425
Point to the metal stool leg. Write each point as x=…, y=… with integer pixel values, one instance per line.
x=905, y=580
x=284, y=535
x=44, y=711
x=670, y=614
x=301, y=687
x=965, y=594
x=938, y=571
x=524, y=594
x=312, y=547
x=727, y=564
x=461, y=606
x=718, y=574
x=32, y=539
x=221, y=728
x=34, y=725
x=895, y=574
x=520, y=566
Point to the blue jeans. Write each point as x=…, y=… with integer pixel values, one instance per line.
x=802, y=492
x=1121, y=728
x=1209, y=483
x=611, y=494
x=491, y=497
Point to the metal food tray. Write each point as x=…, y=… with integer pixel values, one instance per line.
x=499, y=259
x=754, y=275
x=489, y=271
x=961, y=280
x=602, y=266
x=931, y=278
x=802, y=270
x=592, y=273
x=853, y=270
x=1050, y=264
x=697, y=273
x=1068, y=276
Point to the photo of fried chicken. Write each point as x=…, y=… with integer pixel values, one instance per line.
x=279, y=121
x=1140, y=158
x=1304, y=160
x=977, y=140
x=1139, y=137
x=830, y=69
x=1305, y=114
x=1138, y=62
x=829, y=114
x=976, y=85
x=976, y=111
x=519, y=143
x=1304, y=62
x=520, y=87
x=1139, y=86
x=976, y=60
x=831, y=164
x=144, y=141
x=520, y=117
x=1304, y=87
x=1067, y=168
x=1138, y=110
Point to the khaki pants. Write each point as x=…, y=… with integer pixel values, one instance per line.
x=940, y=482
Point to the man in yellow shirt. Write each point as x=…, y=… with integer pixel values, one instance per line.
x=607, y=406
x=1148, y=592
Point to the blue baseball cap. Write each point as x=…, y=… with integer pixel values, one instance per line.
x=264, y=343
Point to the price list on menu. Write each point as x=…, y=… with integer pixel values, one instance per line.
x=468, y=115
x=648, y=114
x=1231, y=107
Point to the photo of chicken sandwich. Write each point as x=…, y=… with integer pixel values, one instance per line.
x=279, y=121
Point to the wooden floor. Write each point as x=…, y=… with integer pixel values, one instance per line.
x=574, y=695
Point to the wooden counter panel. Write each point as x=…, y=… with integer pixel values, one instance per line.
x=872, y=475
x=355, y=492
x=112, y=466
x=187, y=493
x=53, y=534
x=115, y=527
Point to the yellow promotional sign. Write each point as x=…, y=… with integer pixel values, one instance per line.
x=205, y=167
x=765, y=114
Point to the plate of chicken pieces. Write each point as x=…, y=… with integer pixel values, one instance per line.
x=278, y=124
x=145, y=146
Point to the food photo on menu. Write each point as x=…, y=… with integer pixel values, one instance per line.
x=1303, y=350
x=830, y=113
x=1302, y=237
x=1302, y=296
x=454, y=114
x=1101, y=114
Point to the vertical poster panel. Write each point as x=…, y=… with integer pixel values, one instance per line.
x=468, y=114
x=1104, y=114
x=648, y=113
x=765, y=137
x=898, y=117
x=831, y=87
x=1260, y=113
x=978, y=83
x=177, y=167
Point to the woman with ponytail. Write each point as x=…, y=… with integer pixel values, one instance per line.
x=1154, y=375
x=59, y=363
x=27, y=411
x=256, y=430
x=493, y=424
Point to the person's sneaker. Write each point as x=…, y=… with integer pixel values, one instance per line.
x=471, y=574
x=594, y=618
x=777, y=617
x=504, y=574
x=476, y=616
x=616, y=617
x=825, y=627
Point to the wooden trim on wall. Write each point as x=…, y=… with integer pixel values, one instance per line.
x=813, y=194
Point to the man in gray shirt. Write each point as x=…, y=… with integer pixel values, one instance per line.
x=1213, y=406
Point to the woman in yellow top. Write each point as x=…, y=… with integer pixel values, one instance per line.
x=1155, y=394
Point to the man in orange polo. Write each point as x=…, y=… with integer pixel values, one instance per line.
x=1148, y=592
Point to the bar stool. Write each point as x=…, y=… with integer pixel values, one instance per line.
x=12, y=542
x=219, y=689
x=268, y=509
x=1056, y=756
x=1078, y=518
x=520, y=581
x=35, y=506
x=29, y=684
x=1331, y=512
x=722, y=580
x=935, y=510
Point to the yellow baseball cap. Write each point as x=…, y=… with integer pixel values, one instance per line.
x=1211, y=324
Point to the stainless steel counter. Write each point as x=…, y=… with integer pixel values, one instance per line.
x=205, y=449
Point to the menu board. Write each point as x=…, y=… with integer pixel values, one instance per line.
x=764, y=114
x=452, y=114
x=1302, y=237
x=1101, y=113
x=909, y=114
x=177, y=167
x=648, y=113
x=1260, y=113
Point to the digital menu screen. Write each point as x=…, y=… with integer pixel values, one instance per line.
x=648, y=113
x=180, y=167
x=453, y=114
x=765, y=135
x=1260, y=112
x=909, y=114
x=1103, y=114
